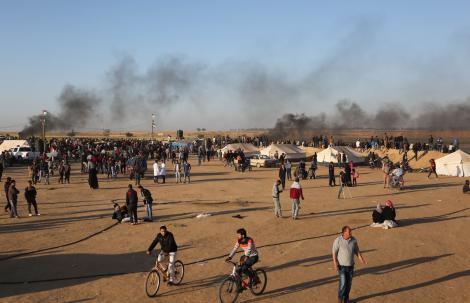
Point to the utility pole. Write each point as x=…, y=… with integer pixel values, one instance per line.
x=43, y=122
x=153, y=123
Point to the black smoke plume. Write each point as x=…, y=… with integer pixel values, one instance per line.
x=350, y=115
x=77, y=107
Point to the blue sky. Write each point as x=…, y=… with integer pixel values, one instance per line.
x=383, y=51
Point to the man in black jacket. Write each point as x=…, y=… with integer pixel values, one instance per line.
x=331, y=174
x=168, y=248
x=6, y=187
x=131, y=202
x=13, y=198
x=148, y=201
x=30, y=196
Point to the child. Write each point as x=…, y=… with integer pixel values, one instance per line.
x=355, y=175
x=466, y=187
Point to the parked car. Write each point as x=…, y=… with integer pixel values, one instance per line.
x=24, y=153
x=262, y=161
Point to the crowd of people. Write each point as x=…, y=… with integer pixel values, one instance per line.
x=129, y=158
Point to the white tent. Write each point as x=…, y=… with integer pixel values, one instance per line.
x=291, y=151
x=9, y=144
x=248, y=148
x=455, y=164
x=331, y=155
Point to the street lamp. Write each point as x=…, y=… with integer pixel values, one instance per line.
x=43, y=122
x=153, y=123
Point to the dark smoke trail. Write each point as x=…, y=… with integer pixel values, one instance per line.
x=76, y=108
x=167, y=82
x=453, y=116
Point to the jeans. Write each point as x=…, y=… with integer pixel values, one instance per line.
x=295, y=208
x=13, y=210
x=34, y=204
x=289, y=173
x=277, y=207
x=345, y=282
x=178, y=176
x=331, y=180
x=247, y=264
x=132, y=211
x=171, y=262
x=149, y=211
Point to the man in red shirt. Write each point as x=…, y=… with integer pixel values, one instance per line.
x=295, y=195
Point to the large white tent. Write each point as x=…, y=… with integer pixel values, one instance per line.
x=247, y=148
x=9, y=144
x=331, y=155
x=455, y=164
x=291, y=151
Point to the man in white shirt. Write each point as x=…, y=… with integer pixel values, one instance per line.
x=156, y=171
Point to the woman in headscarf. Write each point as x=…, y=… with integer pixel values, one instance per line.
x=388, y=212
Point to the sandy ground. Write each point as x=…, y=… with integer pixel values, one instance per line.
x=426, y=259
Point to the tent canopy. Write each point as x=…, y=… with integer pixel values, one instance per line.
x=291, y=151
x=455, y=164
x=248, y=148
x=331, y=155
x=9, y=144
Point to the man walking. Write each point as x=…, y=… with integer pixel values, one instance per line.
x=331, y=174
x=296, y=194
x=344, y=249
x=282, y=176
x=276, y=199
x=187, y=171
x=156, y=171
x=30, y=196
x=6, y=187
x=178, y=172
x=131, y=202
x=13, y=198
x=432, y=168
x=288, y=170
x=148, y=201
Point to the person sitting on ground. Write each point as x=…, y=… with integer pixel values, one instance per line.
x=388, y=211
x=118, y=213
x=466, y=187
x=384, y=216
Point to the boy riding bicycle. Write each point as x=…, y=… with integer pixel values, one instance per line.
x=168, y=248
x=250, y=256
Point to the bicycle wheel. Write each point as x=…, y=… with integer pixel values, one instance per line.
x=228, y=290
x=152, y=283
x=260, y=282
x=179, y=272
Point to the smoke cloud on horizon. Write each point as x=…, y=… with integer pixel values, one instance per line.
x=350, y=115
x=252, y=94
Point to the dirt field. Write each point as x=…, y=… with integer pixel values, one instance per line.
x=426, y=259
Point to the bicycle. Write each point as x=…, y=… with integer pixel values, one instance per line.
x=234, y=284
x=152, y=283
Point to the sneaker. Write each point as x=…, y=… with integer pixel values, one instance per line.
x=38, y=214
x=30, y=215
x=170, y=283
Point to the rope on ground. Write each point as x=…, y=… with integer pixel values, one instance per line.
x=58, y=246
x=185, y=264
